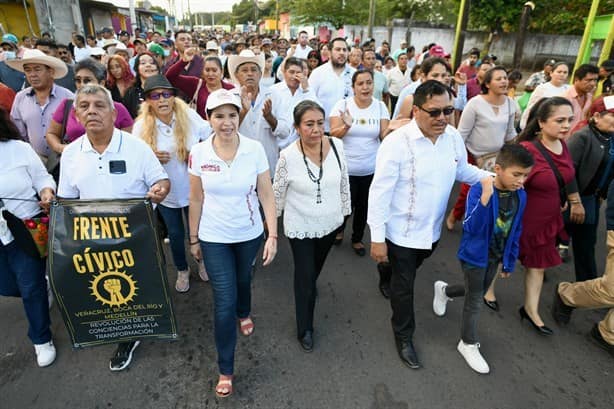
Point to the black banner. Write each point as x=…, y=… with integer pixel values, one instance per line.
x=107, y=271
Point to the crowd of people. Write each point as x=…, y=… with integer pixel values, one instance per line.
x=227, y=132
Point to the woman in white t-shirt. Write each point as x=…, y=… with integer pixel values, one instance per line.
x=312, y=190
x=361, y=121
x=171, y=129
x=554, y=88
x=229, y=175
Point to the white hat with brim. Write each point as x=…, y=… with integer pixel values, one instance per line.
x=121, y=47
x=109, y=43
x=33, y=56
x=223, y=97
x=234, y=61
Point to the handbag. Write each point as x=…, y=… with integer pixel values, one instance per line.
x=53, y=159
x=31, y=235
x=555, y=170
x=194, y=102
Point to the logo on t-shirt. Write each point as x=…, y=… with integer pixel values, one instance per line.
x=210, y=167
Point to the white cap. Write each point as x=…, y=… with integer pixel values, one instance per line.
x=97, y=51
x=223, y=97
x=212, y=45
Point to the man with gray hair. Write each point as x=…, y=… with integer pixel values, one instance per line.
x=107, y=163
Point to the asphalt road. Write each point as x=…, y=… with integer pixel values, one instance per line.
x=354, y=364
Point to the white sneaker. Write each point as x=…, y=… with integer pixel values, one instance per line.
x=471, y=353
x=45, y=354
x=182, y=285
x=440, y=299
x=202, y=272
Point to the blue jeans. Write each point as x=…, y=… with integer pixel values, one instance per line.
x=173, y=218
x=229, y=267
x=24, y=276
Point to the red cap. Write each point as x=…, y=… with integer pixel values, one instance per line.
x=602, y=104
x=436, y=51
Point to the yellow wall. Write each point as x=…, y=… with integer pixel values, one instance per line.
x=13, y=19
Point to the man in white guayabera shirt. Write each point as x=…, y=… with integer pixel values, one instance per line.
x=415, y=170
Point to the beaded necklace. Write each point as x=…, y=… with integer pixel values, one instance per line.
x=312, y=177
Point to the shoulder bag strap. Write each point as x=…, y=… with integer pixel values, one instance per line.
x=67, y=108
x=332, y=145
x=555, y=170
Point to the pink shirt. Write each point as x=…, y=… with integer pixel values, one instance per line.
x=579, y=111
x=74, y=129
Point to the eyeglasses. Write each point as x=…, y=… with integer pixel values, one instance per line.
x=436, y=113
x=156, y=95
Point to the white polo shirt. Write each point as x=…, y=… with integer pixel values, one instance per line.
x=125, y=170
x=230, y=208
x=177, y=171
x=330, y=87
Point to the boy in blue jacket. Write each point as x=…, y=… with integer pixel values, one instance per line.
x=491, y=233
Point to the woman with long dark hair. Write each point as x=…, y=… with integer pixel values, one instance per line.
x=544, y=136
x=145, y=66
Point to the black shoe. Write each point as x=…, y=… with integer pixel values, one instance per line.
x=407, y=353
x=306, y=341
x=543, y=330
x=598, y=338
x=385, y=271
x=563, y=252
x=123, y=355
x=361, y=251
x=561, y=313
x=493, y=305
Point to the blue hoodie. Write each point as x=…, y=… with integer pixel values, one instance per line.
x=478, y=229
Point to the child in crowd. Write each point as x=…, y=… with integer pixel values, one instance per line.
x=491, y=234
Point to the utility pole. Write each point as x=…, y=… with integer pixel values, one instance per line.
x=529, y=6
x=371, y=18
x=459, y=38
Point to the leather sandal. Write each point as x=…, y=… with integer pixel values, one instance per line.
x=247, y=326
x=224, y=387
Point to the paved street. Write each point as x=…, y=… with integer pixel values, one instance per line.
x=354, y=364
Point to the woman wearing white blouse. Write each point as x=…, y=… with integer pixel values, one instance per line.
x=22, y=177
x=554, y=88
x=312, y=190
x=361, y=121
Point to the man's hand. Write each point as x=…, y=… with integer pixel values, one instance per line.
x=487, y=189
x=246, y=99
x=158, y=191
x=503, y=274
x=577, y=213
x=189, y=54
x=379, y=252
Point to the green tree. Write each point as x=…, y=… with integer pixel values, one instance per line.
x=568, y=18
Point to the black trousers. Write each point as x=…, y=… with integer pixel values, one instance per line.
x=404, y=262
x=309, y=257
x=393, y=103
x=583, y=240
x=359, y=192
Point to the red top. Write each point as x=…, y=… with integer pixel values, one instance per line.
x=542, y=222
x=188, y=86
x=7, y=96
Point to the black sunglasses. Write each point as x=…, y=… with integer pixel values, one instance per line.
x=156, y=95
x=436, y=113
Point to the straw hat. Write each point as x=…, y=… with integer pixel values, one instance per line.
x=234, y=61
x=33, y=56
x=121, y=47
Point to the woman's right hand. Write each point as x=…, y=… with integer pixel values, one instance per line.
x=196, y=252
x=577, y=213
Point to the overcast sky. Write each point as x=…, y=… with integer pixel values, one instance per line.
x=182, y=5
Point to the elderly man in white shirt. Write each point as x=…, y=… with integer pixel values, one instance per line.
x=415, y=171
x=286, y=95
x=259, y=116
x=332, y=82
x=107, y=163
